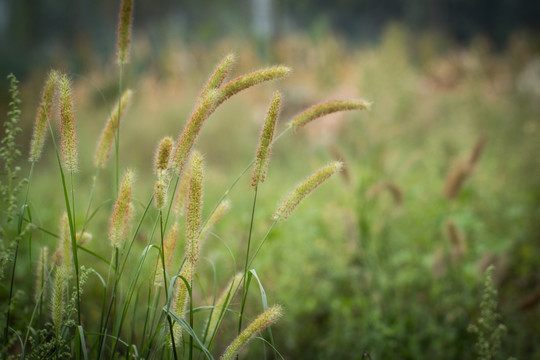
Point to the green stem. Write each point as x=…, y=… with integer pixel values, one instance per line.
x=117, y=132
x=165, y=285
x=244, y=290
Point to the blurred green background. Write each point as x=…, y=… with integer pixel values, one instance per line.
x=367, y=263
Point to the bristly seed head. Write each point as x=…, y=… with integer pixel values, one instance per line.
x=191, y=131
x=219, y=75
x=264, y=320
x=326, y=108
x=265, y=141
x=67, y=125
x=43, y=116
x=245, y=81
x=103, y=150
x=304, y=189
x=124, y=31
x=118, y=230
x=194, y=208
x=160, y=189
x=162, y=155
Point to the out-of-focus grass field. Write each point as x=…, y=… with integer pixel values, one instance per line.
x=357, y=267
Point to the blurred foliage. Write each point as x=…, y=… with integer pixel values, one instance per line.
x=359, y=267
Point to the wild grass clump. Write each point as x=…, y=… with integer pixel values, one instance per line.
x=146, y=297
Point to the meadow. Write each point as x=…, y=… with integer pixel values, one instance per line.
x=389, y=259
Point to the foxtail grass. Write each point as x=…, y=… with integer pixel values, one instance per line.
x=264, y=320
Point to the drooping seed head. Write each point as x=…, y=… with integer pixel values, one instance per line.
x=67, y=125
x=262, y=156
x=304, y=189
x=326, y=108
x=194, y=208
x=191, y=131
x=264, y=320
x=162, y=155
x=118, y=230
x=103, y=150
x=124, y=31
x=219, y=75
x=246, y=81
x=43, y=116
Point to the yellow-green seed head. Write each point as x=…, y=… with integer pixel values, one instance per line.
x=162, y=155
x=118, y=230
x=67, y=125
x=191, y=131
x=265, y=141
x=326, y=108
x=65, y=241
x=264, y=320
x=304, y=189
x=246, y=81
x=83, y=238
x=219, y=75
x=124, y=31
x=43, y=116
x=160, y=190
x=103, y=150
x=58, y=298
x=194, y=208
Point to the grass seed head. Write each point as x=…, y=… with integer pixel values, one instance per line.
x=124, y=32
x=162, y=155
x=43, y=115
x=264, y=320
x=304, y=189
x=246, y=81
x=191, y=131
x=118, y=230
x=219, y=75
x=67, y=125
x=194, y=208
x=326, y=108
x=58, y=298
x=265, y=141
x=103, y=150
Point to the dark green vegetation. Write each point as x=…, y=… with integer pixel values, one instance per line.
x=442, y=179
